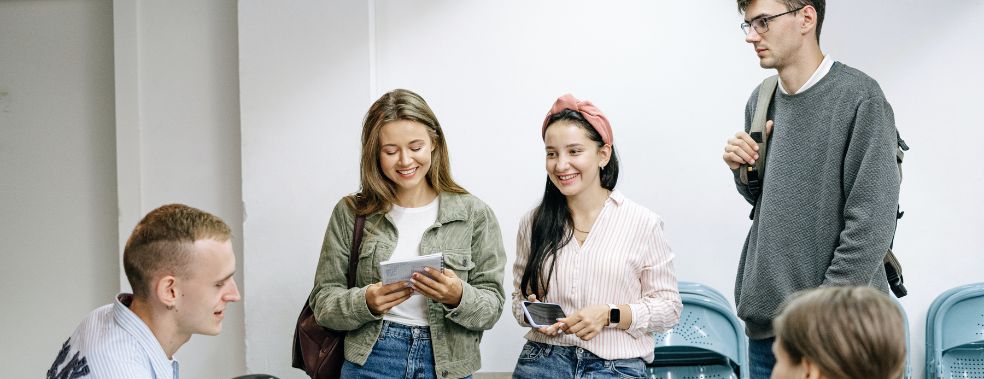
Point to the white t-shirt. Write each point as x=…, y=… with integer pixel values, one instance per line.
x=411, y=223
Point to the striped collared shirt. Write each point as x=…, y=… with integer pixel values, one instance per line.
x=113, y=343
x=624, y=260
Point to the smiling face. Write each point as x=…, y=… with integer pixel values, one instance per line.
x=573, y=161
x=776, y=47
x=405, y=154
x=208, y=289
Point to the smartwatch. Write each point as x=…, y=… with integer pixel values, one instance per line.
x=614, y=315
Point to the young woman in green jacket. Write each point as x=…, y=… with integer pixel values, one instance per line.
x=429, y=327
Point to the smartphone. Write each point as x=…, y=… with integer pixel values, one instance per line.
x=542, y=314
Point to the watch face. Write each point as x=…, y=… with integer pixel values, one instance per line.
x=614, y=316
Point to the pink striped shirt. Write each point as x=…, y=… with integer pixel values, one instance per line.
x=624, y=260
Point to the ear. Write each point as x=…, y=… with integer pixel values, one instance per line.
x=810, y=370
x=605, y=154
x=167, y=290
x=809, y=24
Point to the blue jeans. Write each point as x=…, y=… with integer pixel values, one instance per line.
x=402, y=351
x=760, y=358
x=539, y=360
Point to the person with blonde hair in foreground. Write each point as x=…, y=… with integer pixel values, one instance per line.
x=840, y=333
x=180, y=264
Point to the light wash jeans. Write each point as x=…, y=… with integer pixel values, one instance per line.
x=539, y=360
x=760, y=358
x=402, y=351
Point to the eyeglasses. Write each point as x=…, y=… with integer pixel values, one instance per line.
x=761, y=24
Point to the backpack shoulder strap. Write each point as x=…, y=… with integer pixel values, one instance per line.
x=900, y=153
x=753, y=175
x=766, y=91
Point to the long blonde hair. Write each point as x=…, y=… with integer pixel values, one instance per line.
x=377, y=192
x=848, y=332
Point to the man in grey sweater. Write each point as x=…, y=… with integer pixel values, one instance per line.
x=826, y=213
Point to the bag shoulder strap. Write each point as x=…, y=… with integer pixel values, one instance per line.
x=900, y=153
x=757, y=129
x=766, y=91
x=360, y=223
x=753, y=176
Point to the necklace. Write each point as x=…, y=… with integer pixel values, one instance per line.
x=579, y=230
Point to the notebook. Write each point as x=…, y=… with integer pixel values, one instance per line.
x=401, y=269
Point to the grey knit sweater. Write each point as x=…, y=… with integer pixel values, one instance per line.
x=827, y=211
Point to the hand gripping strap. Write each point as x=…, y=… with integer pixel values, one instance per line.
x=753, y=175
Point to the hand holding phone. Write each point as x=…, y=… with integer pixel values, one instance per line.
x=542, y=315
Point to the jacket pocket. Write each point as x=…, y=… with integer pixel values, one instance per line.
x=367, y=272
x=459, y=261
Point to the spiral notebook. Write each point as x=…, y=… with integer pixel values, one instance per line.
x=396, y=270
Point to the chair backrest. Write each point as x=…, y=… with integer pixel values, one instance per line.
x=907, y=374
x=703, y=290
x=955, y=333
x=708, y=333
x=963, y=322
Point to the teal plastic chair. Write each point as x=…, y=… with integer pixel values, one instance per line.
x=955, y=334
x=703, y=290
x=907, y=374
x=709, y=342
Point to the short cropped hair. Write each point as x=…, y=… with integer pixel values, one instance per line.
x=819, y=5
x=161, y=244
x=848, y=332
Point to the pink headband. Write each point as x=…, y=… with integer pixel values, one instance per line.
x=587, y=110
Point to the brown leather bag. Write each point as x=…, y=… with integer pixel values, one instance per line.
x=319, y=351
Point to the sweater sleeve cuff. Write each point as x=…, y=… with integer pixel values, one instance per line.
x=737, y=174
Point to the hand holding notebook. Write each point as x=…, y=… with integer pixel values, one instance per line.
x=392, y=271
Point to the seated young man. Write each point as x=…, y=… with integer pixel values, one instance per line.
x=179, y=262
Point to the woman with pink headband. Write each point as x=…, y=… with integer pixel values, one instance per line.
x=597, y=254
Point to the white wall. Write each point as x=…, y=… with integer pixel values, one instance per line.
x=178, y=136
x=303, y=79
x=57, y=175
x=673, y=78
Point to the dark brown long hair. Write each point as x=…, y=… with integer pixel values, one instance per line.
x=552, y=225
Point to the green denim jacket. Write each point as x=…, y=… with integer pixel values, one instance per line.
x=468, y=235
